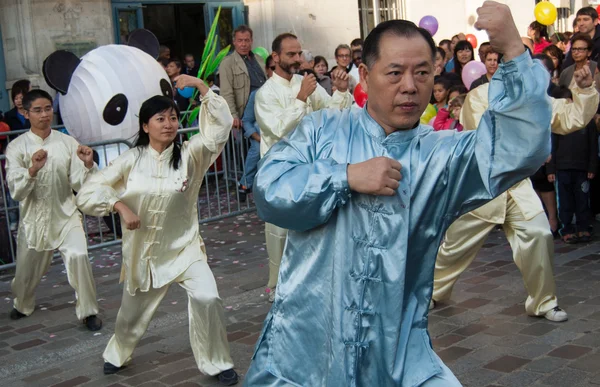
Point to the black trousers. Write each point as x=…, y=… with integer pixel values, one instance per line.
x=573, y=190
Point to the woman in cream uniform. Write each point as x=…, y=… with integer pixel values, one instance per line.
x=154, y=187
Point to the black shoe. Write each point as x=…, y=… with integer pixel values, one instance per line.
x=16, y=315
x=228, y=378
x=110, y=369
x=93, y=323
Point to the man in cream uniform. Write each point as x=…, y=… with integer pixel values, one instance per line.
x=43, y=168
x=280, y=105
x=518, y=210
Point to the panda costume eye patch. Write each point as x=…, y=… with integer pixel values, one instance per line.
x=166, y=88
x=115, y=110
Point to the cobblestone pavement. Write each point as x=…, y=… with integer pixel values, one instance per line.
x=483, y=334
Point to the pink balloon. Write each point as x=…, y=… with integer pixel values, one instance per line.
x=472, y=71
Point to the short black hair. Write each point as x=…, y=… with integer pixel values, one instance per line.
x=163, y=61
x=19, y=87
x=561, y=92
x=461, y=89
x=241, y=29
x=587, y=11
x=276, y=46
x=33, y=95
x=189, y=55
x=546, y=60
x=441, y=51
x=176, y=61
x=269, y=61
x=357, y=42
x=485, y=44
x=443, y=81
x=445, y=41
x=399, y=28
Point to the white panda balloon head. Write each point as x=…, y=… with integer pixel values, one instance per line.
x=102, y=93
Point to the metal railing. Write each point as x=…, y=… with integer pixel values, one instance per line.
x=218, y=197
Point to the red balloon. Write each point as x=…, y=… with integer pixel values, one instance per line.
x=472, y=39
x=598, y=9
x=360, y=96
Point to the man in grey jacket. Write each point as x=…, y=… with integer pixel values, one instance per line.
x=241, y=73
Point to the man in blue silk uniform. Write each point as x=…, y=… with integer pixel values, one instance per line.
x=367, y=195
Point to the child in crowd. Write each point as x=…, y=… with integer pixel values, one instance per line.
x=440, y=93
x=447, y=119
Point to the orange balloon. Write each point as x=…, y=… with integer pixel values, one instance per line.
x=472, y=39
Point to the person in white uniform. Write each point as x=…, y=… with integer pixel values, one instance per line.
x=154, y=188
x=43, y=167
x=280, y=105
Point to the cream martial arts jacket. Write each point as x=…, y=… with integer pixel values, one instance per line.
x=164, y=198
x=566, y=117
x=278, y=111
x=46, y=202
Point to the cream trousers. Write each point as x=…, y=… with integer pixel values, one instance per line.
x=32, y=265
x=208, y=337
x=533, y=252
x=276, y=237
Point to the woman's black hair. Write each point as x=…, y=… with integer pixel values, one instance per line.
x=441, y=80
x=319, y=59
x=461, y=89
x=441, y=51
x=462, y=45
x=150, y=107
x=541, y=31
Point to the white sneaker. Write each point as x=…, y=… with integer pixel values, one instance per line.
x=556, y=315
x=432, y=304
x=272, y=295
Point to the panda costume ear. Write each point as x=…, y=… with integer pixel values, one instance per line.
x=58, y=68
x=145, y=41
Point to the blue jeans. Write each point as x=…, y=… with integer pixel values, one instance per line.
x=251, y=165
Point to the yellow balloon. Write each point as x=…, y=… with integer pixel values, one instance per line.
x=428, y=114
x=545, y=13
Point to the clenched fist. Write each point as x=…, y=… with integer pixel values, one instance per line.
x=497, y=20
x=131, y=220
x=86, y=154
x=182, y=81
x=340, y=79
x=377, y=176
x=308, y=86
x=583, y=77
x=38, y=160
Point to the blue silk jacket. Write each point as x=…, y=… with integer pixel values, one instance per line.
x=357, y=272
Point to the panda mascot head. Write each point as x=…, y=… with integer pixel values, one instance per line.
x=102, y=92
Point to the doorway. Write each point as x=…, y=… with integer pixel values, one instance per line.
x=177, y=26
x=180, y=25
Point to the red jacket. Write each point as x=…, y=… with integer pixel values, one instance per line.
x=443, y=121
